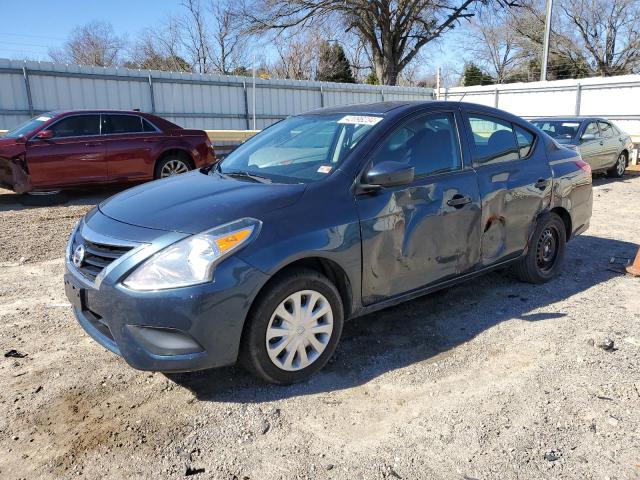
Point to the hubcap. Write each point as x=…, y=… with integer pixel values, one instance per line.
x=621, y=164
x=173, y=167
x=547, y=249
x=299, y=330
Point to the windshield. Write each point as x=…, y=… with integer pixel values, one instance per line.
x=300, y=149
x=28, y=126
x=558, y=129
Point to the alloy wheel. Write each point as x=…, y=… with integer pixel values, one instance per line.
x=299, y=330
x=173, y=167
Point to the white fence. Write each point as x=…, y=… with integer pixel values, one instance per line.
x=191, y=100
x=615, y=98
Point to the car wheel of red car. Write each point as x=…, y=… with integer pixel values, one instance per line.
x=171, y=166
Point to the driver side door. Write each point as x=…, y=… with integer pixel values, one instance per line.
x=75, y=155
x=427, y=231
x=591, y=150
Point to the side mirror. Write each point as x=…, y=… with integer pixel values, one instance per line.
x=388, y=174
x=45, y=135
x=587, y=137
x=21, y=139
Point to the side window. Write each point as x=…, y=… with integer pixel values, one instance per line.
x=494, y=140
x=147, y=127
x=525, y=141
x=429, y=143
x=592, y=127
x=77, y=126
x=115, y=124
x=605, y=129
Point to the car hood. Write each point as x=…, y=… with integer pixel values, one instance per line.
x=10, y=148
x=194, y=202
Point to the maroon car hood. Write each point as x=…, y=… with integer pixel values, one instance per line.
x=10, y=148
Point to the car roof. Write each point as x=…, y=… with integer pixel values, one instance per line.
x=396, y=107
x=568, y=119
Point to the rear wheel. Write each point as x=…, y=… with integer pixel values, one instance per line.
x=293, y=328
x=171, y=166
x=617, y=171
x=545, y=255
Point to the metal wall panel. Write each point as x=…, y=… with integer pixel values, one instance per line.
x=615, y=98
x=191, y=100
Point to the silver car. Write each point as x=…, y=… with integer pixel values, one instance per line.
x=601, y=144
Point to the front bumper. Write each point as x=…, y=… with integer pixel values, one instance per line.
x=182, y=329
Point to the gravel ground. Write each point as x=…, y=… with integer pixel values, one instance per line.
x=490, y=379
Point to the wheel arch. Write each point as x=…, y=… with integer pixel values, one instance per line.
x=179, y=152
x=325, y=266
x=565, y=216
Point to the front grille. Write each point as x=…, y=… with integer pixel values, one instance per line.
x=97, y=256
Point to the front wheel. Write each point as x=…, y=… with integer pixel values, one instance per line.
x=617, y=171
x=293, y=328
x=545, y=255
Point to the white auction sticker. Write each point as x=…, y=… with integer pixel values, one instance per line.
x=43, y=119
x=324, y=169
x=359, y=120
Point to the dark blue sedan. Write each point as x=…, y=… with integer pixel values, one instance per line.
x=320, y=218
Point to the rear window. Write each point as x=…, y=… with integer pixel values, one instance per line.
x=525, y=141
x=494, y=140
x=115, y=124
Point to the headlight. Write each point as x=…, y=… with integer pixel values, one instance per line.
x=191, y=261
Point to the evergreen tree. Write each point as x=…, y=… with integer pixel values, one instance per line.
x=473, y=75
x=333, y=65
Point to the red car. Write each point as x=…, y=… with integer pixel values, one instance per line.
x=59, y=150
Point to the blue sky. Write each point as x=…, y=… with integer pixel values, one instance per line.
x=29, y=29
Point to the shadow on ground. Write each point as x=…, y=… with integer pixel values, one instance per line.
x=426, y=329
x=10, y=201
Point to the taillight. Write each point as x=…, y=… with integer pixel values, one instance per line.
x=582, y=165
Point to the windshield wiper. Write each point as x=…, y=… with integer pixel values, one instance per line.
x=245, y=174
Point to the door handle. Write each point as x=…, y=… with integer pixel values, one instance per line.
x=93, y=144
x=150, y=140
x=541, y=184
x=458, y=201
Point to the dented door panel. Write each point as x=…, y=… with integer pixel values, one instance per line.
x=511, y=201
x=411, y=236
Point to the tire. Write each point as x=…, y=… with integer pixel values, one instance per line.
x=279, y=359
x=172, y=165
x=546, y=251
x=617, y=171
x=44, y=199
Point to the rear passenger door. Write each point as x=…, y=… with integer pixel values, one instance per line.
x=515, y=183
x=130, y=143
x=427, y=231
x=591, y=150
x=610, y=146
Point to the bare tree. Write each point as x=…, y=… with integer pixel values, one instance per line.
x=297, y=57
x=609, y=30
x=195, y=38
x=160, y=49
x=92, y=44
x=228, y=43
x=394, y=31
x=493, y=44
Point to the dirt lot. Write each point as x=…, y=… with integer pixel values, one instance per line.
x=491, y=379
